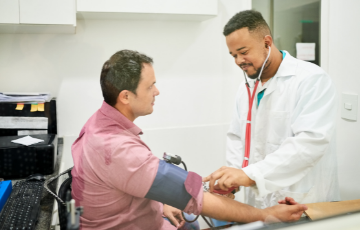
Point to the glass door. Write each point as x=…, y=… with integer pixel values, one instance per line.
x=295, y=26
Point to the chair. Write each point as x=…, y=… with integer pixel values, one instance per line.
x=64, y=188
x=50, y=186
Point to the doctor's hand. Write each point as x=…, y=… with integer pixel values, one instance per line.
x=228, y=177
x=174, y=215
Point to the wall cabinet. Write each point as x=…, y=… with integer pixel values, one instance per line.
x=59, y=16
x=145, y=9
x=37, y=16
x=9, y=11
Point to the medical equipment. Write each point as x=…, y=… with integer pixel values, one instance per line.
x=174, y=160
x=169, y=186
x=177, y=160
x=248, y=122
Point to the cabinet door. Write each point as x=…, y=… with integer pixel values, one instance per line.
x=61, y=12
x=9, y=11
x=198, y=7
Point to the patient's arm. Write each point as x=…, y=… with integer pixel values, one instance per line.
x=223, y=208
x=183, y=190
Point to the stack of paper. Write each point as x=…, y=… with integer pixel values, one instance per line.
x=27, y=141
x=25, y=97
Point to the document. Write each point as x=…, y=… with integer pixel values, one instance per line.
x=19, y=97
x=305, y=51
x=27, y=141
x=23, y=122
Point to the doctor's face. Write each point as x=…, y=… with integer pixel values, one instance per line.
x=248, y=50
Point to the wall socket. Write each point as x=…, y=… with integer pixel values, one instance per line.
x=349, y=106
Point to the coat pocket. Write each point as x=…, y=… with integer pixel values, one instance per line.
x=278, y=126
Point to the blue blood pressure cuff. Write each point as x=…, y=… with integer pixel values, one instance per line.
x=169, y=186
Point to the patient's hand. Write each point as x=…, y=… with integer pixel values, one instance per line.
x=285, y=213
x=174, y=215
x=288, y=200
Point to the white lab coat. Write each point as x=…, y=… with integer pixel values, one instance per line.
x=292, y=137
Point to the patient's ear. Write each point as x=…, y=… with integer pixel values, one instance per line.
x=124, y=97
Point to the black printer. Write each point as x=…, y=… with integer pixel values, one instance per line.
x=20, y=161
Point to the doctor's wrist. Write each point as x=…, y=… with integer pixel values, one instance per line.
x=245, y=179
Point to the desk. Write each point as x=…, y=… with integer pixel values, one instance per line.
x=47, y=200
x=272, y=226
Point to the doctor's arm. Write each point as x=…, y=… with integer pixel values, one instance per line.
x=312, y=124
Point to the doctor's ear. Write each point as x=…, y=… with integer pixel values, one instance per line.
x=266, y=46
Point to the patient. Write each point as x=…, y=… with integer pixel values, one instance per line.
x=118, y=180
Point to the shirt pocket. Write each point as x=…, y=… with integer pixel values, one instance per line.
x=278, y=126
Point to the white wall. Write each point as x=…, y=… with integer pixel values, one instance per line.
x=196, y=77
x=343, y=58
x=195, y=74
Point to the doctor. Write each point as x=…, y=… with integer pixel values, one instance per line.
x=292, y=145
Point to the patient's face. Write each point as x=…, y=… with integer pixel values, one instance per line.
x=142, y=103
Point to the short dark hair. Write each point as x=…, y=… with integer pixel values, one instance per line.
x=122, y=72
x=251, y=19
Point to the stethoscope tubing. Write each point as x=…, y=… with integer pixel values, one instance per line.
x=251, y=97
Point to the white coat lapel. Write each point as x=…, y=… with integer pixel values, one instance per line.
x=286, y=68
x=271, y=87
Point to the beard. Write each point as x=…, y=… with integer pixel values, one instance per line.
x=255, y=75
x=257, y=70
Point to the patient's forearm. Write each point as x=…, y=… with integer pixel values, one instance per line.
x=223, y=208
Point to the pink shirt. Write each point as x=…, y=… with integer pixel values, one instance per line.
x=113, y=171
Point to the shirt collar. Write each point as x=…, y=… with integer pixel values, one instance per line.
x=287, y=66
x=118, y=117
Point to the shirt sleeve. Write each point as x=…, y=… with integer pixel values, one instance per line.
x=193, y=185
x=132, y=168
x=313, y=124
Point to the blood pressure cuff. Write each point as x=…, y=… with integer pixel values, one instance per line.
x=174, y=186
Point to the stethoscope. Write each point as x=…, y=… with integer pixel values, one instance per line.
x=248, y=123
x=248, y=120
